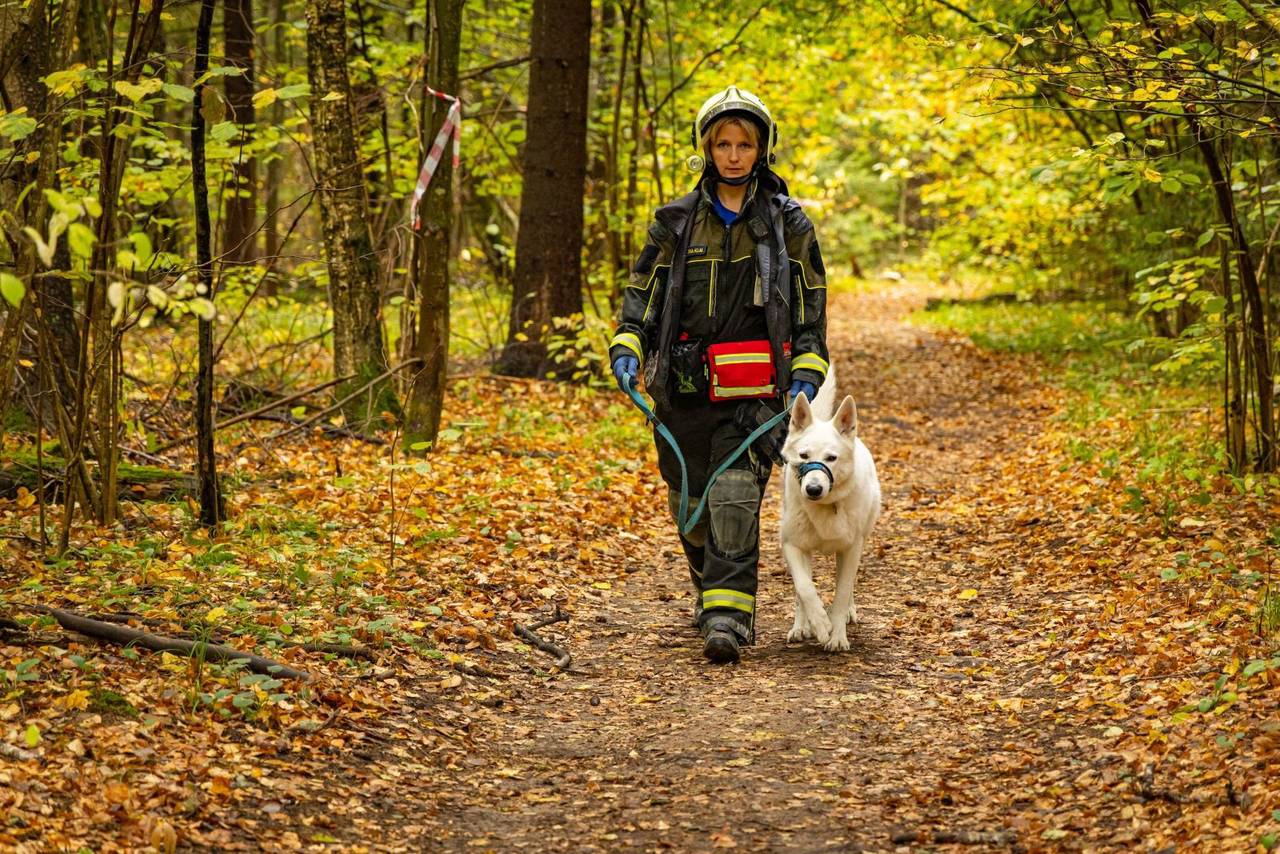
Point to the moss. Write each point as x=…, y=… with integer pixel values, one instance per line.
x=107, y=702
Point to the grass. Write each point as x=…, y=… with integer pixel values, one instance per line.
x=1160, y=429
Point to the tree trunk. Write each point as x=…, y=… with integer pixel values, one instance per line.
x=42, y=44
x=275, y=164
x=212, y=511
x=1254, y=331
x=242, y=197
x=344, y=211
x=431, y=248
x=548, y=277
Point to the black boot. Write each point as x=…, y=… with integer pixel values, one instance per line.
x=722, y=636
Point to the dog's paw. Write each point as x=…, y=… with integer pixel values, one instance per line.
x=821, y=625
x=839, y=642
x=801, y=631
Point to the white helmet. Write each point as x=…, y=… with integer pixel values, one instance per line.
x=741, y=102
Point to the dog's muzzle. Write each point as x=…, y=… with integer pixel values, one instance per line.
x=814, y=490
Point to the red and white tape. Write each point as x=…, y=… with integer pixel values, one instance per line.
x=452, y=127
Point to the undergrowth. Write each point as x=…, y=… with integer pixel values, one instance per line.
x=1160, y=429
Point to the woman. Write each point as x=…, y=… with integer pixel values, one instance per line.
x=726, y=309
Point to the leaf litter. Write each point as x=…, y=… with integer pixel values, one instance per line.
x=1027, y=671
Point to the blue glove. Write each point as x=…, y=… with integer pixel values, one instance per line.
x=800, y=387
x=625, y=368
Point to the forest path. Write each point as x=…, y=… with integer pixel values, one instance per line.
x=940, y=720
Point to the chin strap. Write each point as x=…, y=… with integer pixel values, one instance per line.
x=735, y=182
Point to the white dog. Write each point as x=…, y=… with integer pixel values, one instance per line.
x=830, y=502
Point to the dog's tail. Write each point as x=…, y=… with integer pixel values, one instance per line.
x=824, y=405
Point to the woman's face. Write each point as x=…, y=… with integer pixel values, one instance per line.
x=734, y=152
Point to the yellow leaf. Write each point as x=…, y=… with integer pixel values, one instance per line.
x=333, y=96
x=215, y=614
x=78, y=699
x=967, y=594
x=602, y=585
x=264, y=98
x=25, y=498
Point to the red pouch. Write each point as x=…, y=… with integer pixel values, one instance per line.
x=741, y=370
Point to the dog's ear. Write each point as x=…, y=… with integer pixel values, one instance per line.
x=846, y=419
x=801, y=414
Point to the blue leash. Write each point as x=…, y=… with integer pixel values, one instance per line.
x=686, y=522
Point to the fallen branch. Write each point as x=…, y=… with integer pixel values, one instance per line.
x=1147, y=788
x=563, y=659
x=337, y=649
x=126, y=617
x=245, y=416
x=974, y=837
x=126, y=636
x=343, y=402
x=8, y=751
x=330, y=430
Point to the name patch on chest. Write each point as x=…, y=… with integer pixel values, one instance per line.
x=696, y=250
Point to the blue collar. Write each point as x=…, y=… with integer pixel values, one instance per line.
x=727, y=216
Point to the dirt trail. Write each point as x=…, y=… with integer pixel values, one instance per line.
x=929, y=725
x=941, y=727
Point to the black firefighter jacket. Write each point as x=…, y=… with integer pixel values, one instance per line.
x=760, y=278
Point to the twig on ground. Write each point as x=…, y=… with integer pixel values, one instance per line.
x=306, y=726
x=343, y=402
x=8, y=751
x=974, y=837
x=126, y=636
x=245, y=416
x=1147, y=789
x=337, y=649
x=332, y=430
x=563, y=659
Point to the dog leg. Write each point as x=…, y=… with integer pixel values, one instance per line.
x=800, y=630
x=842, y=607
x=809, y=610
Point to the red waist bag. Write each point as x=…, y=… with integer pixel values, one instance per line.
x=742, y=369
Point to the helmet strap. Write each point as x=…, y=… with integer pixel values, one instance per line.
x=735, y=182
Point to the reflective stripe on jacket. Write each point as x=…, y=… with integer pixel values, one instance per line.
x=722, y=295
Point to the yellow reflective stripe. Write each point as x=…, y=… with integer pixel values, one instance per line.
x=653, y=291
x=810, y=362
x=721, y=598
x=743, y=391
x=744, y=359
x=711, y=291
x=630, y=340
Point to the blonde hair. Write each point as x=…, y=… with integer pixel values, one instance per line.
x=713, y=132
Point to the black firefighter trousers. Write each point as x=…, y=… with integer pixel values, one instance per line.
x=723, y=549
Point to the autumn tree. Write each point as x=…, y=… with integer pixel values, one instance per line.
x=429, y=340
x=548, y=273
x=358, y=350
x=241, y=202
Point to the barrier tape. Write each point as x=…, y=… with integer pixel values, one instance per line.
x=452, y=127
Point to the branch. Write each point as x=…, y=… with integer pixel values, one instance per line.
x=563, y=659
x=245, y=416
x=982, y=25
x=471, y=73
x=341, y=403
x=125, y=636
x=730, y=43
